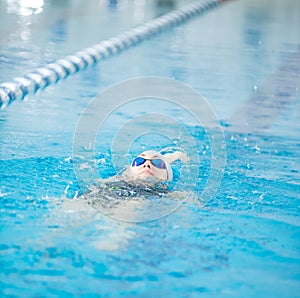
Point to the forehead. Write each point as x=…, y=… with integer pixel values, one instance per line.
x=149, y=155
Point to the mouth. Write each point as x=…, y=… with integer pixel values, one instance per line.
x=147, y=172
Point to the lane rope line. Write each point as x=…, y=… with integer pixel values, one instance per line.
x=42, y=77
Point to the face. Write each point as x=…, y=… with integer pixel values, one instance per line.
x=149, y=166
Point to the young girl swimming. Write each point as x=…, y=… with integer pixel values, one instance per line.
x=134, y=196
x=145, y=179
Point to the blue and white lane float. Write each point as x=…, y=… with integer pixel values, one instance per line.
x=40, y=78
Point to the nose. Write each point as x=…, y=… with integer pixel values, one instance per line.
x=147, y=164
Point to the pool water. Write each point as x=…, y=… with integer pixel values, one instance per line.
x=243, y=57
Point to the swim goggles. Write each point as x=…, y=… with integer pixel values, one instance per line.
x=158, y=163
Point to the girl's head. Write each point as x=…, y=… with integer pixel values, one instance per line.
x=154, y=166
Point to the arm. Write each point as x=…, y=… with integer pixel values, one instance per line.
x=178, y=155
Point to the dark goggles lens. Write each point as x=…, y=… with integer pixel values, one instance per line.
x=138, y=161
x=158, y=163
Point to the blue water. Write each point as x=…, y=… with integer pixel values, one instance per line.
x=244, y=59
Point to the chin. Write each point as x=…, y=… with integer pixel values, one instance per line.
x=145, y=176
x=151, y=179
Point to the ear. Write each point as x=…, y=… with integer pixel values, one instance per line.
x=178, y=155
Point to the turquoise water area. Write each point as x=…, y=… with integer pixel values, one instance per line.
x=243, y=58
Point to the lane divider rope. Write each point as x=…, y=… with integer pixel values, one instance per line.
x=38, y=79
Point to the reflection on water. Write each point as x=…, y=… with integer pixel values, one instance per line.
x=25, y=7
x=261, y=110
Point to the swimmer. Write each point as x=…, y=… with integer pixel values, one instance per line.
x=147, y=177
x=135, y=195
